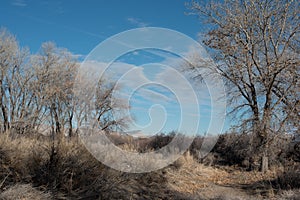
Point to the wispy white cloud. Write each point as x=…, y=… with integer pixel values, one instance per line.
x=79, y=57
x=153, y=96
x=178, y=84
x=137, y=22
x=169, y=88
x=20, y=3
x=134, y=82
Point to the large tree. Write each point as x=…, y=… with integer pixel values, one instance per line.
x=255, y=44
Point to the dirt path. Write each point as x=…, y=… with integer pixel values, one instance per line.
x=202, y=182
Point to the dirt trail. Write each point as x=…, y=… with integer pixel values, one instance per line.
x=203, y=182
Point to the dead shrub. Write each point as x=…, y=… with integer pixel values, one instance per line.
x=64, y=169
x=289, y=178
x=233, y=148
x=160, y=141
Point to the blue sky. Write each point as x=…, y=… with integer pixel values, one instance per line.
x=80, y=26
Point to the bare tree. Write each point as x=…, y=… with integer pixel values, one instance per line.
x=109, y=108
x=256, y=47
x=14, y=83
x=38, y=90
x=97, y=105
x=54, y=69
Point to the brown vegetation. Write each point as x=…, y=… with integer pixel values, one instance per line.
x=63, y=169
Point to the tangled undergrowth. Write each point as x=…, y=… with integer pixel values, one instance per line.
x=61, y=168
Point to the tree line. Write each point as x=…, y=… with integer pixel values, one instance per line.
x=37, y=91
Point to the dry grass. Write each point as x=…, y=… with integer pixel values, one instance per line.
x=208, y=182
x=24, y=192
x=65, y=169
x=202, y=182
x=33, y=168
x=289, y=178
x=191, y=175
x=290, y=195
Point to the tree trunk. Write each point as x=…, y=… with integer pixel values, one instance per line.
x=3, y=109
x=56, y=119
x=70, y=125
x=264, y=164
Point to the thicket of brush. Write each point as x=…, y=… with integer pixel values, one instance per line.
x=60, y=168
x=230, y=149
x=234, y=149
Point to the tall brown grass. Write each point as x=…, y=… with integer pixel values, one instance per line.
x=61, y=168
